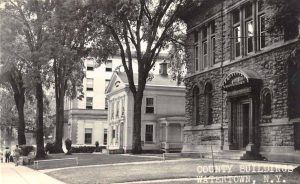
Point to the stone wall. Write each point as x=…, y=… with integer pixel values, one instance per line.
x=271, y=66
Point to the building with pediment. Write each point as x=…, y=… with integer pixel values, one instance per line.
x=163, y=110
x=242, y=86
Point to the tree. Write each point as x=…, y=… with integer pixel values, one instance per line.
x=29, y=18
x=11, y=74
x=143, y=28
x=285, y=17
x=70, y=29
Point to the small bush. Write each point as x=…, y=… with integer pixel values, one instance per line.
x=25, y=150
x=50, y=147
x=97, y=149
x=68, y=143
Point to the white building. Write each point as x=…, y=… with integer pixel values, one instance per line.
x=163, y=112
x=87, y=118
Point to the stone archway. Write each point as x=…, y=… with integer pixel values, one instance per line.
x=242, y=87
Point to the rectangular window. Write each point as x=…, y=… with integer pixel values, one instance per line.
x=108, y=66
x=149, y=133
x=262, y=32
x=237, y=41
x=249, y=35
x=213, y=49
x=105, y=137
x=248, y=11
x=90, y=65
x=89, y=84
x=112, y=109
x=204, y=52
x=88, y=136
x=113, y=133
x=89, y=102
x=236, y=17
x=123, y=107
x=149, y=105
x=196, y=58
x=106, y=103
x=117, y=108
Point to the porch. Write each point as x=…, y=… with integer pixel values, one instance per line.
x=171, y=133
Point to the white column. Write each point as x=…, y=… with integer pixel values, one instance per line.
x=167, y=133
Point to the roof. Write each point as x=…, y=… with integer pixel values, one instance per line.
x=158, y=80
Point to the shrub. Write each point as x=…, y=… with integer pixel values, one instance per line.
x=50, y=147
x=25, y=150
x=68, y=143
x=97, y=149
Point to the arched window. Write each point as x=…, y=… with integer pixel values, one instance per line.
x=208, y=103
x=266, y=103
x=196, y=115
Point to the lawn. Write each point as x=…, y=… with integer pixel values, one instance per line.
x=162, y=170
x=90, y=159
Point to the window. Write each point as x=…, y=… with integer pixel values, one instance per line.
x=89, y=102
x=249, y=28
x=108, y=66
x=105, y=137
x=149, y=133
x=88, y=136
x=267, y=104
x=208, y=103
x=106, y=103
x=196, y=110
x=113, y=133
x=262, y=32
x=204, y=52
x=213, y=49
x=90, y=65
x=196, y=52
x=112, y=109
x=89, y=84
x=236, y=33
x=149, y=105
x=117, y=108
x=123, y=107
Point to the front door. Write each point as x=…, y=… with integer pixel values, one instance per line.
x=241, y=111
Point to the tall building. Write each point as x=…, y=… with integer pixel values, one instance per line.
x=242, y=98
x=87, y=118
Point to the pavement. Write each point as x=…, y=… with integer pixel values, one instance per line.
x=9, y=173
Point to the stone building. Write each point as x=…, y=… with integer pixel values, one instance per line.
x=242, y=95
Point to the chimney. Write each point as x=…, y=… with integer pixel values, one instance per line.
x=163, y=68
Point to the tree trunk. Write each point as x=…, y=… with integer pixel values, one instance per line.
x=136, y=142
x=20, y=101
x=59, y=98
x=21, y=124
x=40, y=153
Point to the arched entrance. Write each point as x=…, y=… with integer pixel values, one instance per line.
x=242, y=87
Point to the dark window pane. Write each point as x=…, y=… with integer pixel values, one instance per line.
x=150, y=110
x=213, y=27
x=149, y=133
x=236, y=16
x=195, y=37
x=204, y=32
x=90, y=68
x=248, y=10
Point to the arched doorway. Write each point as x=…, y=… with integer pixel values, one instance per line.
x=242, y=87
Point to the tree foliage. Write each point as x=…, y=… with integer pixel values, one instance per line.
x=141, y=29
x=285, y=17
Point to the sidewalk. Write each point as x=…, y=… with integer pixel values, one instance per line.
x=9, y=173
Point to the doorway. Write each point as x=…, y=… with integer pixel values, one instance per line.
x=241, y=113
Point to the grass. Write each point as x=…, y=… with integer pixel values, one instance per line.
x=89, y=159
x=154, y=171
